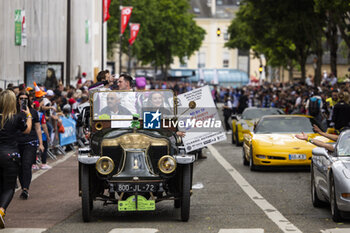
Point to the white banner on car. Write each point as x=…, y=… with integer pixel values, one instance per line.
x=207, y=127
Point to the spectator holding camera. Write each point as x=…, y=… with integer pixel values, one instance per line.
x=28, y=144
x=10, y=123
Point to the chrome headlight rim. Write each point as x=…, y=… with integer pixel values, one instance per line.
x=162, y=159
x=99, y=167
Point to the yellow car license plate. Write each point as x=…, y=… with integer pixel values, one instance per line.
x=297, y=156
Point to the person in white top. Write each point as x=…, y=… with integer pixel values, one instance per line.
x=125, y=83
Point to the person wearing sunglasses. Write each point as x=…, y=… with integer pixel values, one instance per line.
x=28, y=144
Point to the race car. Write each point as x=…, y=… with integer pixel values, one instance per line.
x=273, y=142
x=245, y=122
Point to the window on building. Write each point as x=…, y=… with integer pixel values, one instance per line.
x=184, y=64
x=226, y=59
x=201, y=60
x=226, y=34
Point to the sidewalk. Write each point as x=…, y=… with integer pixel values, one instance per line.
x=53, y=196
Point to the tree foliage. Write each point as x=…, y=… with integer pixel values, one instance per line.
x=167, y=30
x=286, y=32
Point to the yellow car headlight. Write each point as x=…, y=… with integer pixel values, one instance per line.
x=167, y=164
x=104, y=165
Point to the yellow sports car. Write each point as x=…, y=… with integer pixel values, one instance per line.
x=273, y=142
x=245, y=123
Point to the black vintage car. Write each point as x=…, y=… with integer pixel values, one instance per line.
x=133, y=161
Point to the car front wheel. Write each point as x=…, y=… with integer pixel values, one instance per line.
x=233, y=136
x=336, y=214
x=86, y=199
x=316, y=202
x=186, y=189
x=245, y=161
x=252, y=166
x=237, y=139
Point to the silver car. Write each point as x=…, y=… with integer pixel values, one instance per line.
x=330, y=177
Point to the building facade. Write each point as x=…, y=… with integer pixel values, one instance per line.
x=33, y=38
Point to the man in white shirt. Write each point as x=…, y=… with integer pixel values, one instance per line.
x=128, y=101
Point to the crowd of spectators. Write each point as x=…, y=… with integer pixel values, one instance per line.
x=331, y=98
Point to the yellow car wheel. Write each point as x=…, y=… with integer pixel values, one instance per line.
x=252, y=166
x=233, y=138
x=245, y=161
x=237, y=139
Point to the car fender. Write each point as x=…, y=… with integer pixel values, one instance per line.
x=86, y=159
x=184, y=159
x=339, y=177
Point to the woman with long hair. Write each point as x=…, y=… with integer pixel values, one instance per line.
x=27, y=145
x=51, y=80
x=10, y=123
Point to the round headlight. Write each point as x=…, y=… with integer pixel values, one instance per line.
x=104, y=165
x=167, y=164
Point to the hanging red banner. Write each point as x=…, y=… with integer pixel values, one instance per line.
x=126, y=13
x=106, y=4
x=134, y=30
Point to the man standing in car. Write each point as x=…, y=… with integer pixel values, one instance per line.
x=128, y=101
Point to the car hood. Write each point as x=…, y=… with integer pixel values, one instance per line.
x=285, y=140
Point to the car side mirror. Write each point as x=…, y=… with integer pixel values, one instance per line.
x=320, y=151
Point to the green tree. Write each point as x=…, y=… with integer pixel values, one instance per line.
x=284, y=31
x=336, y=13
x=167, y=30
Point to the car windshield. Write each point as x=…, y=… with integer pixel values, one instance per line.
x=287, y=124
x=121, y=105
x=250, y=114
x=343, y=146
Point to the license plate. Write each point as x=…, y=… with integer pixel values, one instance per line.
x=297, y=157
x=127, y=187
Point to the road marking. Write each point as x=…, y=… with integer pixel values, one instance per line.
x=23, y=230
x=336, y=230
x=252, y=230
x=40, y=172
x=152, y=230
x=134, y=230
x=259, y=200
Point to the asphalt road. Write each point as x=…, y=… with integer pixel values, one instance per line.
x=225, y=199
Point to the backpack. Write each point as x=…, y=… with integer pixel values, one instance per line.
x=314, y=106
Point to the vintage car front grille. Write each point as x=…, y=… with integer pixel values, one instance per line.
x=116, y=154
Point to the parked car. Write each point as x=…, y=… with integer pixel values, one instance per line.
x=273, y=142
x=133, y=162
x=330, y=177
x=245, y=122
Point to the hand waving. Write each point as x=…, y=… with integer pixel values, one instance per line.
x=301, y=136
